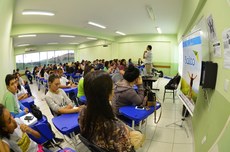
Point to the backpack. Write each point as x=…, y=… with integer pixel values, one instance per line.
x=36, y=112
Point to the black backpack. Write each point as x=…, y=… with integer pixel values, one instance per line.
x=36, y=112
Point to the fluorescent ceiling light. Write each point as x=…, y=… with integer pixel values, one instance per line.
x=53, y=43
x=74, y=43
x=158, y=30
x=28, y=35
x=23, y=44
x=150, y=12
x=69, y=36
x=91, y=38
x=121, y=33
x=97, y=25
x=31, y=12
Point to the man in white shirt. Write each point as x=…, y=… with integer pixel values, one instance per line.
x=148, y=59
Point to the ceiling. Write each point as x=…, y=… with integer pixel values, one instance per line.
x=128, y=16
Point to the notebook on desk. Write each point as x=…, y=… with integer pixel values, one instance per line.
x=29, y=119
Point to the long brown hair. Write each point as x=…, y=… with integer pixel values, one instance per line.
x=97, y=87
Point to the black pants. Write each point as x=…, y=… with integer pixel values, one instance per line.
x=27, y=87
x=30, y=78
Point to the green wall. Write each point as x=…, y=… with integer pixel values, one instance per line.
x=7, y=54
x=210, y=116
x=165, y=50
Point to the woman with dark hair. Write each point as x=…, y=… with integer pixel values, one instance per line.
x=97, y=121
x=15, y=134
x=130, y=62
x=107, y=65
x=124, y=94
x=122, y=65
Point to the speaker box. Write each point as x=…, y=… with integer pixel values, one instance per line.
x=208, y=74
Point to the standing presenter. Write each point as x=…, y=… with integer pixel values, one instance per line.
x=148, y=59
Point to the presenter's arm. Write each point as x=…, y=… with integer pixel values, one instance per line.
x=144, y=54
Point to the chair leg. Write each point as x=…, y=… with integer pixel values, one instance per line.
x=164, y=95
x=173, y=97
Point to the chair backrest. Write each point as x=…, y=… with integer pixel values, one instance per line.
x=173, y=83
x=45, y=132
x=91, y=146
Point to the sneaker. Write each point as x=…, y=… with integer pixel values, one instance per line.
x=58, y=140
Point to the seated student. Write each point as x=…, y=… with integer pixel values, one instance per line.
x=29, y=76
x=14, y=133
x=23, y=83
x=21, y=92
x=10, y=99
x=57, y=99
x=87, y=69
x=65, y=83
x=122, y=66
x=106, y=66
x=117, y=74
x=46, y=74
x=97, y=121
x=124, y=94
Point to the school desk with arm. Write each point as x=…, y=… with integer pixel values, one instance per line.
x=67, y=124
x=69, y=90
x=137, y=115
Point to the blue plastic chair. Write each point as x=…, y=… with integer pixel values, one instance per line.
x=44, y=130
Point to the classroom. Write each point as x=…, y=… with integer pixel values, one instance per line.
x=189, y=39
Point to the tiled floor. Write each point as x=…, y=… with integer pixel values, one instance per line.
x=159, y=138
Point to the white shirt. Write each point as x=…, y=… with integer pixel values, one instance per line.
x=22, y=91
x=46, y=76
x=21, y=81
x=20, y=141
x=57, y=101
x=63, y=81
x=148, y=56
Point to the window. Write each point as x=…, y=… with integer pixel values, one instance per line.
x=19, y=62
x=61, y=56
x=31, y=60
x=43, y=58
x=71, y=55
x=50, y=58
x=40, y=58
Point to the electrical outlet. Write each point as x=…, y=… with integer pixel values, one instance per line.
x=203, y=140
